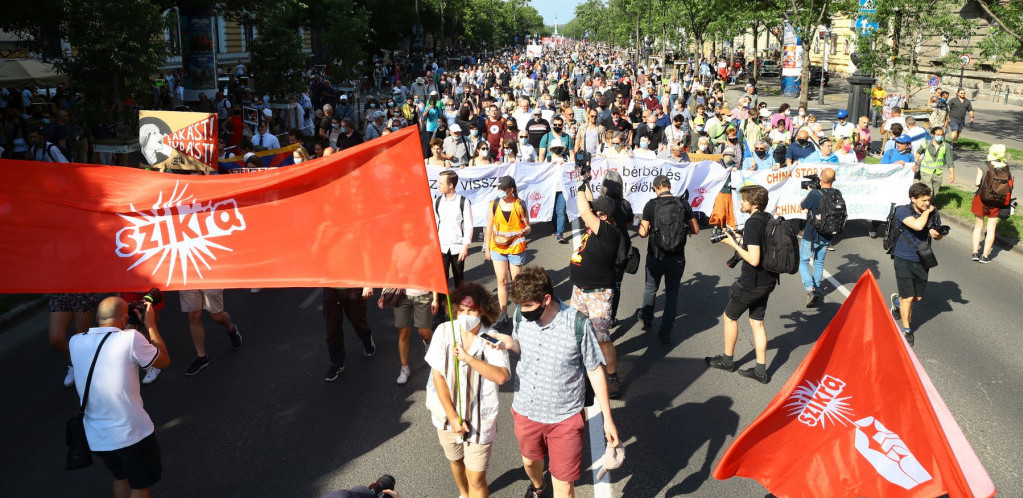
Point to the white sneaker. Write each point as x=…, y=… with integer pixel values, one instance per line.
x=151, y=374
x=255, y=291
x=403, y=375
x=69, y=379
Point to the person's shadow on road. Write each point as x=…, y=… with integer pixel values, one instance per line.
x=668, y=438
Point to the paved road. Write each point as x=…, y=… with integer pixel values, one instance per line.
x=261, y=422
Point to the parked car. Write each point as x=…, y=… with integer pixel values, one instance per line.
x=769, y=67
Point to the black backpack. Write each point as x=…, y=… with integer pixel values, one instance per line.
x=461, y=209
x=670, y=229
x=831, y=213
x=893, y=229
x=780, y=252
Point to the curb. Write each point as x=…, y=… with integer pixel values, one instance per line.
x=1000, y=240
x=21, y=312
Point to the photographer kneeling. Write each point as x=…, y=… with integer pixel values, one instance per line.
x=917, y=223
x=815, y=243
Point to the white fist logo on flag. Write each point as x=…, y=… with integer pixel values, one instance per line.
x=889, y=456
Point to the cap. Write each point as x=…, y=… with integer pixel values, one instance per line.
x=996, y=154
x=604, y=204
x=614, y=457
x=556, y=143
x=344, y=97
x=505, y=182
x=248, y=155
x=537, y=111
x=420, y=80
x=843, y=114
x=434, y=92
x=267, y=112
x=455, y=127
x=662, y=181
x=765, y=112
x=729, y=151
x=377, y=115
x=396, y=90
x=903, y=139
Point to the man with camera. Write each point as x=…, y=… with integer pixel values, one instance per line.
x=916, y=223
x=593, y=273
x=751, y=290
x=815, y=243
x=117, y=427
x=668, y=220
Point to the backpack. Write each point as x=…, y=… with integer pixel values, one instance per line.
x=996, y=186
x=892, y=232
x=670, y=229
x=580, y=329
x=780, y=252
x=831, y=213
x=461, y=209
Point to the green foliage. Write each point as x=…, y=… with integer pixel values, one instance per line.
x=109, y=69
x=341, y=27
x=888, y=52
x=1005, y=38
x=277, y=57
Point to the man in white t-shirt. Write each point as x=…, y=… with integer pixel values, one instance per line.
x=117, y=427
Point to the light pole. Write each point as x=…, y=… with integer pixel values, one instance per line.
x=825, y=38
x=649, y=20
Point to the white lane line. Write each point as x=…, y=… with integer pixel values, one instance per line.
x=314, y=295
x=595, y=421
x=841, y=288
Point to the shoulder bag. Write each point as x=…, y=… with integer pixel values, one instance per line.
x=78, y=453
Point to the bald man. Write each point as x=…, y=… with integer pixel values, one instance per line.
x=814, y=244
x=118, y=429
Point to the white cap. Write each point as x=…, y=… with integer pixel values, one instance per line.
x=344, y=97
x=455, y=127
x=557, y=143
x=267, y=112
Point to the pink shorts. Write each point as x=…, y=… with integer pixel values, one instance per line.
x=562, y=441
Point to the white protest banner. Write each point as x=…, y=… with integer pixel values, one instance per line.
x=537, y=184
x=868, y=189
x=703, y=180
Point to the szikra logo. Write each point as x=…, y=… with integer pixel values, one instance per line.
x=182, y=232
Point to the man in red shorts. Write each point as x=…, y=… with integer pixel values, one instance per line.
x=549, y=384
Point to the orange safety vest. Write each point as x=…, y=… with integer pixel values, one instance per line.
x=508, y=227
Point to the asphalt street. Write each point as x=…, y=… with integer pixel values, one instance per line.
x=262, y=422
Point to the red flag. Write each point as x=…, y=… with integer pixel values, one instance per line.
x=359, y=218
x=859, y=417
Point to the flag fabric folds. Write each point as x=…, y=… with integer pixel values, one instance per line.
x=859, y=417
x=273, y=158
x=359, y=218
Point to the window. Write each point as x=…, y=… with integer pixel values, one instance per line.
x=834, y=44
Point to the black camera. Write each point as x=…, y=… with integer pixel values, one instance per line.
x=932, y=224
x=810, y=182
x=153, y=297
x=582, y=166
x=734, y=260
x=384, y=483
x=720, y=234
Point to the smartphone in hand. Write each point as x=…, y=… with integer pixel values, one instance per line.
x=489, y=338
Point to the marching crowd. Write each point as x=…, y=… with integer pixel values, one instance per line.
x=577, y=98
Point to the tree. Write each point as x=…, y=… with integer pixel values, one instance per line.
x=806, y=17
x=277, y=57
x=1005, y=38
x=890, y=51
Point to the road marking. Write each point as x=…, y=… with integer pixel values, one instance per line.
x=314, y=295
x=841, y=288
x=595, y=421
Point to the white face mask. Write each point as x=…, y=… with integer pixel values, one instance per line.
x=468, y=322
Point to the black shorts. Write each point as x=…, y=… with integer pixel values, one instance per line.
x=911, y=277
x=139, y=463
x=741, y=299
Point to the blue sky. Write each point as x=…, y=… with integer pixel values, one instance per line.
x=564, y=9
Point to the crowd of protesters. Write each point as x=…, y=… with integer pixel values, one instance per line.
x=505, y=108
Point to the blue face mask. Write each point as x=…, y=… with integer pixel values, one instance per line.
x=939, y=138
x=343, y=130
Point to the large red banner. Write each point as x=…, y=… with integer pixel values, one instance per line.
x=362, y=217
x=859, y=417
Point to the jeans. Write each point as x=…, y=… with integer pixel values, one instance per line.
x=671, y=269
x=816, y=248
x=560, y=218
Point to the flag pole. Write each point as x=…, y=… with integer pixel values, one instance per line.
x=454, y=341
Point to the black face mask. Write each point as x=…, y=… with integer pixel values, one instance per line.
x=557, y=129
x=761, y=154
x=534, y=315
x=802, y=142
